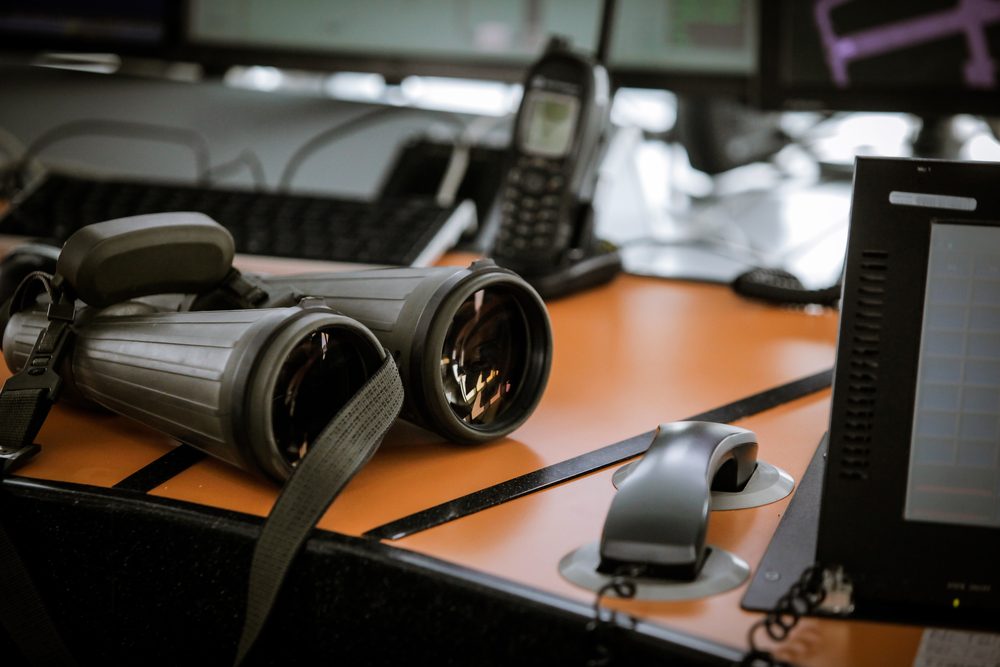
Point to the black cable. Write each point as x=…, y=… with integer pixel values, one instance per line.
x=781, y=287
x=802, y=599
x=358, y=122
x=600, y=627
x=122, y=128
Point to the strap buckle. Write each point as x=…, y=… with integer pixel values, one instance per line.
x=12, y=459
x=28, y=395
x=39, y=371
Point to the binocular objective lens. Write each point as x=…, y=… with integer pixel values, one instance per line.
x=321, y=373
x=484, y=358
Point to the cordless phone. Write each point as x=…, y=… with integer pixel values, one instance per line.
x=546, y=226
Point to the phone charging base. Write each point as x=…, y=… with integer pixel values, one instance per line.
x=766, y=485
x=600, y=266
x=722, y=571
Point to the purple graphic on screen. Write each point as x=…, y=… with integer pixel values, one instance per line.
x=969, y=18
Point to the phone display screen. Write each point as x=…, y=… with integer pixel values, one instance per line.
x=954, y=467
x=549, y=123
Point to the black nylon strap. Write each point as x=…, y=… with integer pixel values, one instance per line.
x=28, y=395
x=25, y=401
x=21, y=415
x=343, y=447
x=587, y=463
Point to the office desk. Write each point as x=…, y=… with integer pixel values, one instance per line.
x=628, y=356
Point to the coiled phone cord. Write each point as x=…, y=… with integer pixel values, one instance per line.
x=801, y=599
x=623, y=585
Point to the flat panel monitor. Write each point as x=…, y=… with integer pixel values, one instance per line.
x=928, y=57
x=142, y=27
x=684, y=45
x=693, y=46
x=472, y=38
x=700, y=45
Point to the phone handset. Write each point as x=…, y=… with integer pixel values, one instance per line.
x=546, y=229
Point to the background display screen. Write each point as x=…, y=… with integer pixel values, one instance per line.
x=954, y=467
x=550, y=121
x=898, y=44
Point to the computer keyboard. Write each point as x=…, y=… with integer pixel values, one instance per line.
x=403, y=230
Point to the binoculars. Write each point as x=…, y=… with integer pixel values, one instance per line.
x=251, y=368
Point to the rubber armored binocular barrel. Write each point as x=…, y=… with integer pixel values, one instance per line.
x=251, y=387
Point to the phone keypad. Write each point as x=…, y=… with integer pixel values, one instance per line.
x=530, y=226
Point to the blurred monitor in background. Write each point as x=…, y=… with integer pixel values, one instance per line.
x=931, y=58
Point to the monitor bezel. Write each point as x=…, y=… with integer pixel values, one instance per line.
x=392, y=69
x=682, y=83
x=395, y=69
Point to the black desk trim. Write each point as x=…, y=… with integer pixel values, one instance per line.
x=585, y=464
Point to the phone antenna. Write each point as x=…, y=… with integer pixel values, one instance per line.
x=604, y=36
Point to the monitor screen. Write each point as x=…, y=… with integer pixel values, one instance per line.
x=954, y=469
x=672, y=44
x=684, y=45
x=115, y=26
x=927, y=57
x=473, y=38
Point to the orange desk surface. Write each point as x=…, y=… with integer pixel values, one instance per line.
x=627, y=356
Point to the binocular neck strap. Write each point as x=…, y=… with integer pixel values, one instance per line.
x=25, y=401
x=336, y=454
x=28, y=395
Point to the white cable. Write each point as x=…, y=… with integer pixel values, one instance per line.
x=458, y=163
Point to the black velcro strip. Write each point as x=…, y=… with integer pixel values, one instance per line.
x=161, y=470
x=587, y=463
